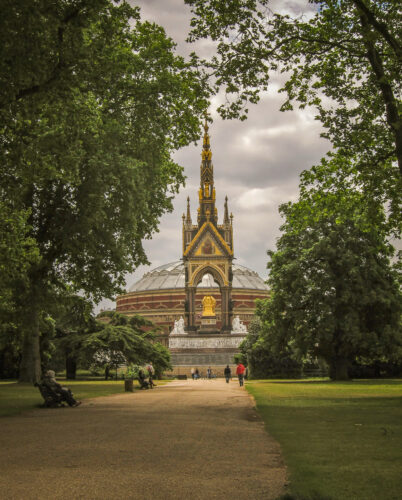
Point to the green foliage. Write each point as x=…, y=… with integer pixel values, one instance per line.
x=93, y=103
x=344, y=58
x=265, y=362
x=120, y=341
x=335, y=293
x=17, y=253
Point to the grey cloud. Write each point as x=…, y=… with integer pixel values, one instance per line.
x=267, y=152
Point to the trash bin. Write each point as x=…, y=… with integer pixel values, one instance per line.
x=129, y=386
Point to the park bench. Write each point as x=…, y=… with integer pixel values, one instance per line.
x=52, y=399
x=143, y=383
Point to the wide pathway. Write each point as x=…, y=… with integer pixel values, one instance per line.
x=185, y=440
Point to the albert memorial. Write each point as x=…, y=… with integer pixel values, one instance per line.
x=203, y=302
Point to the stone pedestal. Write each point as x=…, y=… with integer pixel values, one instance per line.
x=203, y=350
x=208, y=325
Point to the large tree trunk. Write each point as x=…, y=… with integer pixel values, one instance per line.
x=338, y=369
x=30, y=368
x=71, y=367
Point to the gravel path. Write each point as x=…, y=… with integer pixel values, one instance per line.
x=186, y=440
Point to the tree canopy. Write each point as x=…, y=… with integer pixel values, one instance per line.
x=335, y=292
x=93, y=102
x=344, y=58
x=119, y=340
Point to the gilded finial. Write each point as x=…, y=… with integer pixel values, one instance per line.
x=206, y=136
x=206, y=128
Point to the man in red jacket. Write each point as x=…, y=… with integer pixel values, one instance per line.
x=240, y=373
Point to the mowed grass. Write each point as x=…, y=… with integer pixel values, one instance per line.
x=16, y=398
x=340, y=440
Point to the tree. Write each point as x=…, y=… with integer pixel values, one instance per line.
x=263, y=360
x=18, y=252
x=93, y=103
x=335, y=293
x=74, y=319
x=124, y=340
x=344, y=58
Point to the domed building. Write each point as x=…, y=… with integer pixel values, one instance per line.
x=160, y=295
x=204, y=302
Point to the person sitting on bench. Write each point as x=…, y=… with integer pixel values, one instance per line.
x=49, y=381
x=141, y=379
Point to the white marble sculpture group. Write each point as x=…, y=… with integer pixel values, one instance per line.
x=178, y=328
x=238, y=326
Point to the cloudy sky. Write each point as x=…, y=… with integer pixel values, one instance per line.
x=256, y=162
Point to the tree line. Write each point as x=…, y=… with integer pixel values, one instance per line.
x=94, y=101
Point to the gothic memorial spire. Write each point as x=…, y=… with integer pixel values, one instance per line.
x=208, y=246
x=207, y=195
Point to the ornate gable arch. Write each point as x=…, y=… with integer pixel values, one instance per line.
x=209, y=269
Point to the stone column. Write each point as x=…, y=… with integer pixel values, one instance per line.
x=190, y=305
x=226, y=293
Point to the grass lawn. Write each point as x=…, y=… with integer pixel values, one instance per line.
x=16, y=398
x=340, y=440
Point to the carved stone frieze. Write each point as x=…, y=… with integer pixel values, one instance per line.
x=210, y=342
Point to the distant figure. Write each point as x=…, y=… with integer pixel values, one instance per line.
x=49, y=380
x=107, y=372
x=240, y=369
x=151, y=373
x=209, y=372
x=228, y=373
x=192, y=373
x=196, y=374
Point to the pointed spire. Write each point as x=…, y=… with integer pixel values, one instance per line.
x=188, y=218
x=226, y=214
x=207, y=193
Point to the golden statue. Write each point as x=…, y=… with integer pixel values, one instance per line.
x=208, y=306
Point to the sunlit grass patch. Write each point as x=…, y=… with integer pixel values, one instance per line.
x=340, y=440
x=16, y=398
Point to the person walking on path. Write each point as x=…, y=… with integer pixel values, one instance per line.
x=209, y=372
x=151, y=373
x=240, y=369
x=228, y=373
x=196, y=374
x=192, y=373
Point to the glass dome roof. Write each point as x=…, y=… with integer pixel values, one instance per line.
x=171, y=276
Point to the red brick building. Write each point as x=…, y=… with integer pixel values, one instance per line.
x=160, y=295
